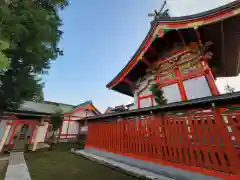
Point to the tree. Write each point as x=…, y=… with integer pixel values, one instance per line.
x=39, y=96
x=56, y=123
x=158, y=94
x=32, y=30
x=229, y=89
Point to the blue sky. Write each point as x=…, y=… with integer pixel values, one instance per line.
x=100, y=36
x=99, y=39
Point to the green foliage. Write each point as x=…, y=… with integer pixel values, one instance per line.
x=32, y=29
x=158, y=94
x=229, y=89
x=39, y=96
x=3, y=58
x=57, y=119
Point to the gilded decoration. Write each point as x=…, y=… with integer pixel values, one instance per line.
x=187, y=61
x=190, y=66
x=167, y=75
x=189, y=54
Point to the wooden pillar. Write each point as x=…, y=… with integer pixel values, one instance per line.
x=4, y=138
x=48, y=127
x=181, y=37
x=145, y=61
x=131, y=84
x=35, y=143
x=180, y=85
x=198, y=36
x=210, y=78
x=68, y=122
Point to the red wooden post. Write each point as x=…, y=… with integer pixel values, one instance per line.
x=180, y=85
x=227, y=141
x=13, y=133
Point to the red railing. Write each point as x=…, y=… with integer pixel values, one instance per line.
x=194, y=140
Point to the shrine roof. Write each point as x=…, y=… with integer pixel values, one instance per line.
x=160, y=26
x=87, y=104
x=50, y=107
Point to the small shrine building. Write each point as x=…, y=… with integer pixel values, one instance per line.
x=31, y=123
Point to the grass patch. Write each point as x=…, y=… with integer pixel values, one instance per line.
x=3, y=168
x=60, y=164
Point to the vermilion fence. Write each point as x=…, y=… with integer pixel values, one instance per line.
x=204, y=139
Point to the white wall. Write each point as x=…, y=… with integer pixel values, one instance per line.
x=42, y=133
x=3, y=125
x=142, y=85
x=73, y=127
x=78, y=114
x=197, y=87
x=64, y=128
x=10, y=133
x=172, y=93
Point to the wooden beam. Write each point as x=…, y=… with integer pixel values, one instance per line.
x=198, y=36
x=152, y=50
x=145, y=61
x=223, y=46
x=133, y=85
x=181, y=37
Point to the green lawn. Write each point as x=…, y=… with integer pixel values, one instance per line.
x=60, y=164
x=3, y=169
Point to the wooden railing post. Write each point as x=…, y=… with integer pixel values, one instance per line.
x=222, y=131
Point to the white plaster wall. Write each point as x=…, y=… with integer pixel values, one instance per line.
x=84, y=129
x=142, y=85
x=42, y=133
x=3, y=125
x=64, y=127
x=197, y=88
x=91, y=113
x=73, y=127
x=172, y=93
x=135, y=100
x=78, y=114
x=9, y=134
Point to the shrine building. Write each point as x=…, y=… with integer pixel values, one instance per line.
x=196, y=134
x=31, y=124
x=184, y=56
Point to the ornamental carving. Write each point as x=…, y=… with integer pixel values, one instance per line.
x=164, y=76
x=190, y=53
x=188, y=57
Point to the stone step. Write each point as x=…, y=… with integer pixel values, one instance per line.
x=126, y=168
x=17, y=150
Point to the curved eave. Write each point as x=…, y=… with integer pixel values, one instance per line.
x=160, y=25
x=92, y=107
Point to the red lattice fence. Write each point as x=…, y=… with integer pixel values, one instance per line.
x=209, y=140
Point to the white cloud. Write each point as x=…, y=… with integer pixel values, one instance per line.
x=188, y=7
x=232, y=81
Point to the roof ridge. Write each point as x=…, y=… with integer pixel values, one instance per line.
x=52, y=102
x=86, y=102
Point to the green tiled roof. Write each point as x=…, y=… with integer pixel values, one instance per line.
x=50, y=107
x=83, y=104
